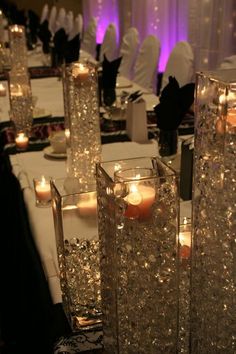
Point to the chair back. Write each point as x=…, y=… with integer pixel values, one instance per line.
x=89, y=38
x=128, y=52
x=69, y=22
x=61, y=19
x=52, y=20
x=180, y=64
x=77, y=27
x=146, y=64
x=109, y=44
x=44, y=14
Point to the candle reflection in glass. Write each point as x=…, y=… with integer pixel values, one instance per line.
x=185, y=239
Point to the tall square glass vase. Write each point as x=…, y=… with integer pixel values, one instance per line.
x=84, y=122
x=213, y=281
x=21, y=104
x=138, y=207
x=75, y=221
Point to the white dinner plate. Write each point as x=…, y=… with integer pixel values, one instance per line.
x=48, y=151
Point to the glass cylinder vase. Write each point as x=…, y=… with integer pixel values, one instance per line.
x=138, y=227
x=84, y=123
x=18, y=48
x=21, y=104
x=75, y=220
x=213, y=282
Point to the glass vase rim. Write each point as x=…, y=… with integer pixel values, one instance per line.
x=118, y=178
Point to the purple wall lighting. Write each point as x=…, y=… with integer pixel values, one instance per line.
x=105, y=11
x=166, y=19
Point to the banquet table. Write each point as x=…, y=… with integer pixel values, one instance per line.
x=48, y=98
x=48, y=95
x=28, y=165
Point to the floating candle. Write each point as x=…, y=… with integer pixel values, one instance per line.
x=140, y=199
x=16, y=29
x=80, y=72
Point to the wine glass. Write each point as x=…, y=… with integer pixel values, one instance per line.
x=109, y=103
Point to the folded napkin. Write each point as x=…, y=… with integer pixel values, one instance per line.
x=59, y=50
x=45, y=36
x=33, y=22
x=32, y=29
x=174, y=104
x=109, y=75
x=72, y=49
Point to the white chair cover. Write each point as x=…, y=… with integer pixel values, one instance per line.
x=52, y=19
x=146, y=64
x=44, y=14
x=80, y=24
x=77, y=27
x=180, y=64
x=128, y=52
x=69, y=22
x=109, y=44
x=89, y=39
x=61, y=19
x=228, y=62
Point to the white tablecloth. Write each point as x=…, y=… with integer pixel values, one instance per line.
x=28, y=165
x=49, y=97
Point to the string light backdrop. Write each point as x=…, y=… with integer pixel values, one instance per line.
x=209, y=25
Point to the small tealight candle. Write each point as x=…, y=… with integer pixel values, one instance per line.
x=140, y=199
x=3, y=90
x=87, y=205
x=22, y=141
x=42, y=191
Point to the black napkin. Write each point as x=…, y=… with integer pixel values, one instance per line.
x=174, y=104
x=59, y=50
x=45, y=36
x=14, y=14
x=33, y=26
x=109, y=75
x=72, y=49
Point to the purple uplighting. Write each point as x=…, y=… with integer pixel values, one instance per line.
x=105, y=12
x=168, y=20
